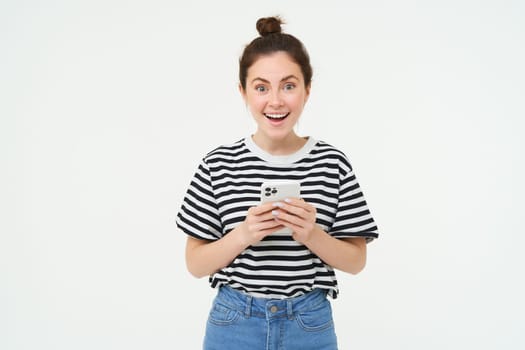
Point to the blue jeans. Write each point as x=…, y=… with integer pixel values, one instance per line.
x=238, y=321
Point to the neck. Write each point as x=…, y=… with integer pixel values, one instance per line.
x=279, y=147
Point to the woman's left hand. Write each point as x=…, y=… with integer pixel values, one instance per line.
x=298, y=215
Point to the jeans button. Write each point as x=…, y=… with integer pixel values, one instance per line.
x=273, y=309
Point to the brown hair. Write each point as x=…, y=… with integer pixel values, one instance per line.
x=272, y=39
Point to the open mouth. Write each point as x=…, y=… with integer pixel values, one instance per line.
x=276, y=116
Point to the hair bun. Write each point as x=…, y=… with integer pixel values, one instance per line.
x=269, y=25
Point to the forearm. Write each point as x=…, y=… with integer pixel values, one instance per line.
x=203, y=258
x=348, y=255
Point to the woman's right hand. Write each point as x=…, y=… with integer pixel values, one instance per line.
x=259, y=223
x=204, y=258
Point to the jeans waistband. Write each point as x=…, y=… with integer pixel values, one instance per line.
x=269, y=308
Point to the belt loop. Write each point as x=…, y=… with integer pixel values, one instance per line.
x=248, y=309
x=289, y=309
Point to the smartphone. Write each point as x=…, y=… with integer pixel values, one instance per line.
x=279, y=190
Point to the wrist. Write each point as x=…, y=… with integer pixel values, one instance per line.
x=239, y=236
x=314, y=236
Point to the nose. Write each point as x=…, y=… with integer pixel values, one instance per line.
x=275, y=99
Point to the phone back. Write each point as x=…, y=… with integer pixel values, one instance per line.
x=274, y=191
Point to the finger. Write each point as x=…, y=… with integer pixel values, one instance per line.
x=289, y=225
x=261, y=209
x=284, y=217
x=299, y=203
x=268, y=216
x=269, y=231
x=265, y=225
x=292, y=209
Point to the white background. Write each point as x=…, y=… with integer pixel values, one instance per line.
x=106, y=108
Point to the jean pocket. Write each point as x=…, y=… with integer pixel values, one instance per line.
x=316, y=319
x=222, y=315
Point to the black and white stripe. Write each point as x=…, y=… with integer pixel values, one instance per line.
x=227, y=183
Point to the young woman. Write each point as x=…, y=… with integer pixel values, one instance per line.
x=273, y=287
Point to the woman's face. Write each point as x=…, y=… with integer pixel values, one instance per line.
x=275, y=94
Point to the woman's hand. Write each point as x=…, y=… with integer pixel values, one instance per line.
x=347, y=254
x=259, y=223
x=204, y=258
x=297, y=215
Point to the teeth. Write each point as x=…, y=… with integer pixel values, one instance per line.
x=276, y=116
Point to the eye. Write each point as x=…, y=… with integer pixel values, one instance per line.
x=260, y=88
x=289, y=86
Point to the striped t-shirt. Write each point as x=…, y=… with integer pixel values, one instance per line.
x=227, y=183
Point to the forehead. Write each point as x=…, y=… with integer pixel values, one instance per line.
x=274, y=66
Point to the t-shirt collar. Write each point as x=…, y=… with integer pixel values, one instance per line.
x=281, y=159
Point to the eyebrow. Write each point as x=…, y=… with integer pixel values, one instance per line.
x=291, y=76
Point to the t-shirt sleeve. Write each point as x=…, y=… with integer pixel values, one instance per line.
x=199, y=215
x=353, y=218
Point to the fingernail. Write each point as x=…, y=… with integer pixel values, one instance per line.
x=288, y=200
x=278, y=204
x=275, y=212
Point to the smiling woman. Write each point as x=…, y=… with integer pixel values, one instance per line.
x=276, y=95
x=273, y=286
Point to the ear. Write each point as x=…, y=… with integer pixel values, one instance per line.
x=307, y=92
x=243, y=92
